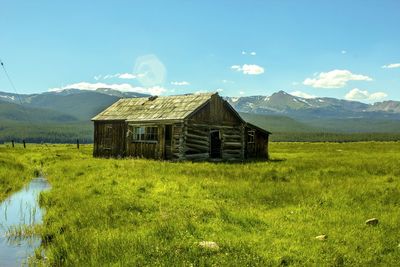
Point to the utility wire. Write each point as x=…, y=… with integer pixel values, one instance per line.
x=19, y=98
x=12, y=84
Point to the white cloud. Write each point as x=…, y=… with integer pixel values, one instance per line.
x=250, y=69
x=391, y=66
x=219, y=90
x=302, y=94
x=128, y=76
x=180, y=83
x=241, y=93
x=123, y=87
x=357, y=94
x=110, y=76
x=377, y=95
x=249, y=53
x=334, y=79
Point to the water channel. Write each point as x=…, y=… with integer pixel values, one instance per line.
x=19, y=209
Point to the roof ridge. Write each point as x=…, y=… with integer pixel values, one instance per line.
x=167, y=96
x=148, y=108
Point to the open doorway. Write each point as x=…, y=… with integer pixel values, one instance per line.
x=168, y=142
x=215, y=144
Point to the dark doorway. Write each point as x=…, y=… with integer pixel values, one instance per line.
x=215, y=144
x=168, y=140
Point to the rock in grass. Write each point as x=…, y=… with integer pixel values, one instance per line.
x=209, y=245
x=321, y=237
x=372, y=221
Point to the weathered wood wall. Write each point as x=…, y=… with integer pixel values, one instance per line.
x=145, y=149
x=216, y=111
x=157, y=149
x=258, y=149
x=216, y=115
x=109, y=139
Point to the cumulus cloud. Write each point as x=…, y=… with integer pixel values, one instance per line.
x=180, y=83
x=253, y=53
x=357, y=94
x=391, y=66
x=123, y=87
x=250, y=69
x=334, y=79
x=219, y=90
x=302, y=94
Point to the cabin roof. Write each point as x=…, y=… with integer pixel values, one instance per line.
x=154, y=108
x=251, y=125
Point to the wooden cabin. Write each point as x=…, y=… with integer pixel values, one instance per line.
x=185, y=127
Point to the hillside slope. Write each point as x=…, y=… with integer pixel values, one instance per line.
x=16, y=113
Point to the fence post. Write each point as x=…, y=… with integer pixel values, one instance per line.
x=12, y=142
x=77, y=143
x=23, y=141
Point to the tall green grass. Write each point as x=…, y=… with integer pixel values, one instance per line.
x=17, y=167
x=136, y=212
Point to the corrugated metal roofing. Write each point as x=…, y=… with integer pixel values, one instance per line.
x=159, y=108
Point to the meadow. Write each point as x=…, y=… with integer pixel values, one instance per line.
x=137, y=212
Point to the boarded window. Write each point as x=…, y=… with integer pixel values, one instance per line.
x=250, y=137
x=145, y=133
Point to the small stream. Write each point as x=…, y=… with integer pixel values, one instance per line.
x=21, y=208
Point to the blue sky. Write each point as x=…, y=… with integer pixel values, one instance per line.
x=343, y=49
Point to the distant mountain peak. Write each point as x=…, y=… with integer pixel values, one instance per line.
x=282, y=102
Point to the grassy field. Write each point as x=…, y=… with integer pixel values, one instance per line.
x=17, y=167
x=140, y=212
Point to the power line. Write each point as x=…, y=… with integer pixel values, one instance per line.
x=19, y=98
x=11, y=82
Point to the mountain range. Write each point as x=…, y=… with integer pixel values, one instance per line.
x=283, y=103
x=67, y=113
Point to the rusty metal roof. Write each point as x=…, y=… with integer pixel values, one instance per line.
x=154, y=108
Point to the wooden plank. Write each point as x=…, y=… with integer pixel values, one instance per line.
x=198, y=142
x=234, y=144
x=198, y=147
x=205, y=138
